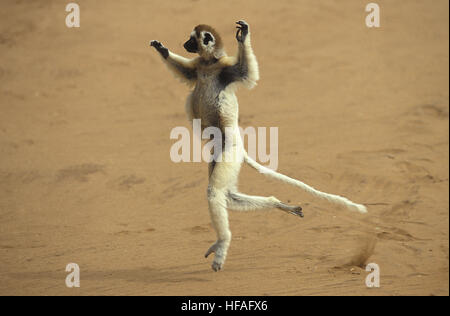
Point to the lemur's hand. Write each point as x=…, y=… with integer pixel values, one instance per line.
x=242, y=31
x=160, y=48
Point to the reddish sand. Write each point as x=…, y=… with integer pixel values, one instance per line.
x=86, y=177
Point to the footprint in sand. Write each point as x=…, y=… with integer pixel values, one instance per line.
x=430, y=110
x=79, y=173
x=198, y=229
x=128, y=232
x=127, y=182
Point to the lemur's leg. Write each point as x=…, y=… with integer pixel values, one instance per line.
x=223, y=176
x=183, y=68
x=243, y=202
x=219, y=218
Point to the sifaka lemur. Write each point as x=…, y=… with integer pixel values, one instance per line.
x=215, y=77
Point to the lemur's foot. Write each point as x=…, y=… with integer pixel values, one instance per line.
x=216, y=266
x=294, y=210
x=242, y=31
x=160, y=48
x=219, y=259
x=297, y=211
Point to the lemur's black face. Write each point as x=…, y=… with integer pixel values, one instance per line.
x=191, y=45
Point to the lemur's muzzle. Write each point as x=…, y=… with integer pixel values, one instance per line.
x=191, y=45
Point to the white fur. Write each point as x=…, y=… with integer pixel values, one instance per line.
x=329, y=197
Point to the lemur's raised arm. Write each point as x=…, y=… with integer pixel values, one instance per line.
x=182, y=68
x=244, y=67
x=205, y=41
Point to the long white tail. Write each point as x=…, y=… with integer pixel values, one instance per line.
x=329, y=197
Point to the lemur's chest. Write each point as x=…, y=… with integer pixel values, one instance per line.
x=207, y=89
x=207, y=78
x=210, y=102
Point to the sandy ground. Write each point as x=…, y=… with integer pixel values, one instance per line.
x=86, y=177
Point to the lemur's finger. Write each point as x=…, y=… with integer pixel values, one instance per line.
x=243, y=25
x=237, y=34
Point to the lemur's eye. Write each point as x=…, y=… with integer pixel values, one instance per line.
x=208, y=37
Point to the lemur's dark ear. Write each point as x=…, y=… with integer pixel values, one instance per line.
x=207, y=38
